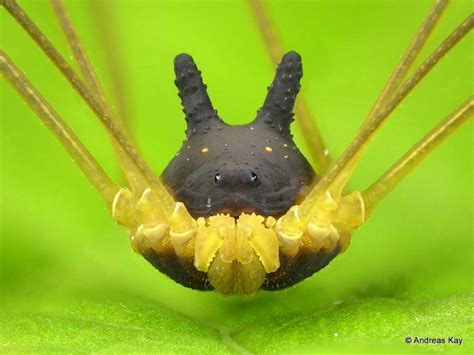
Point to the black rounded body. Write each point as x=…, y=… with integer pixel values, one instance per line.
x=236, y=169
x=252, y=168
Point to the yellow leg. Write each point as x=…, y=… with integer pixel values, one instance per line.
x=319, y=152
x=83, y=158
x=412, y=52
x=79, y=52
x=134, y=177
x=81, y=88
x=403, y=167
x=324, y=205
x=105, y=21
x=335, y=180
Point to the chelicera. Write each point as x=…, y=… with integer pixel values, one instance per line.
x=239, y=208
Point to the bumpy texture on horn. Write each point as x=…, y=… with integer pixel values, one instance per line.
x=277, y=110
x=194, y=98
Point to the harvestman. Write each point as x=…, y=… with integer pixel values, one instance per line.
x=264, y=218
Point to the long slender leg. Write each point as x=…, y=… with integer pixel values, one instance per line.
x=115, y=132
x=106, y=23
x=135, y=179
x=93, y=171
x=340, y=172
x=35, y=33
x=305, y=120
x=328, y=216
x=412, y=52
x=403, y=167
x=79, y=52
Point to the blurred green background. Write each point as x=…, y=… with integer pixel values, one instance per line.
x=71, y=282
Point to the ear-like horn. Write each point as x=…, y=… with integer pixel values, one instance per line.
x=277, y=110
x=196, y=103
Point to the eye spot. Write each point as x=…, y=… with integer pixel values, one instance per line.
x=269, y=149
x=217, y=178
x=254, y=178
x=204, y=150
x=285, y=145
x=285, y=156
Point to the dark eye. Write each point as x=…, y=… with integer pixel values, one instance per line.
x=217, y=178
x=254, y=178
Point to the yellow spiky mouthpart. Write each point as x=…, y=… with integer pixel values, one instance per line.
x=236, y=253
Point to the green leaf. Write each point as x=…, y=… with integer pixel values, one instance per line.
x=70, y=281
